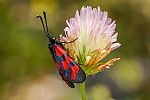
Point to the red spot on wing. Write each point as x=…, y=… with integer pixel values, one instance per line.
x=59, y=50
x=57, y=66
x=74, y=69
x=68, y=59
x=65, y=65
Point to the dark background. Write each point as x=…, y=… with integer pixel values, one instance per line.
x=27, y=71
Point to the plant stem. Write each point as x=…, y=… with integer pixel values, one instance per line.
x=82, y=90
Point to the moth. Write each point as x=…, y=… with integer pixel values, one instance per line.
x=69, y=70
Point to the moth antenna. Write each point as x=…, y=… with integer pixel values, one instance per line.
x=44, y=13
x=46, y=33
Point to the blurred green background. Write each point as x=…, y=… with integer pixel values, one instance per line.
x=27, y=71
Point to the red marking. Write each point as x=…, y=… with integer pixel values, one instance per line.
x=65, y=65
x=61, y=74
x=57, y=66
x=75, y=69
x=68, y=59
x=59, y=50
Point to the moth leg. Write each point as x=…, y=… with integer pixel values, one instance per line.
x=70, y=41
x=80, y=64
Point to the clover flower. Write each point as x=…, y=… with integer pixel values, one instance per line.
x=95, y=38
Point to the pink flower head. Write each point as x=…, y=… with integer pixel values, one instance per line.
x=96, y=37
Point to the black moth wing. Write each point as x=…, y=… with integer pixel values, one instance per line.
x=69, y=83
x=69, y=70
